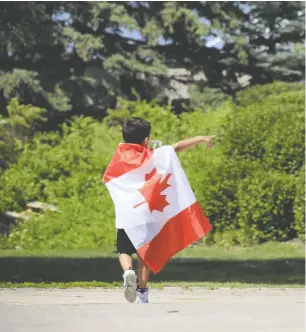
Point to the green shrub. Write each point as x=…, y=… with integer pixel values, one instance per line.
x=17, y=127
x=265, y=201
x=250, y=184
x=264, y=138
x=78, y=225
x=258, y=93
x=205, y=98
x=271, y=131
x=299, y=205
x=65, y=170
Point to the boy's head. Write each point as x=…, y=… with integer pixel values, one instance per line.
x=136, y=131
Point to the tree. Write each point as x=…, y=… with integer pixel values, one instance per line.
x=18, y=127
x=73, y=56
x=76, y=58
x=186, y=28
x=29, y=56
x=267, y=40
x=257, y=40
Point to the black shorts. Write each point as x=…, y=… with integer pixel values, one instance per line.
x=124, y=244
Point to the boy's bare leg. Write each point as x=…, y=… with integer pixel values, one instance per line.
x=143, y=274
x=126, y=261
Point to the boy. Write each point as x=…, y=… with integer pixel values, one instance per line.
x=136, y=133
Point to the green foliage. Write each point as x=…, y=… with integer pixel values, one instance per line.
x=205, y=98
x=250, y=185
x=260, y=92
x=80, y=224
x=259, y=43
x=263, y=152
x=270, y=131
x=299, y=205
x=64, y=170
x=24, y=119
x=85, y=44
x=25, y=85
x=79, y=57
x=7, y=146
x=265, y=201
x=17, y=127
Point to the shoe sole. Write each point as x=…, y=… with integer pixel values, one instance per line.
x=130, y=289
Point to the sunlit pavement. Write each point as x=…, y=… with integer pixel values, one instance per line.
x=170, y=310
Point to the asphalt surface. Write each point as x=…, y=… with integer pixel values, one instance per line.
x=170, y=310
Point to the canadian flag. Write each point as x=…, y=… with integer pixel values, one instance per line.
x=154, y=203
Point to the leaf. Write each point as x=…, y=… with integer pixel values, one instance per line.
x=152, y=191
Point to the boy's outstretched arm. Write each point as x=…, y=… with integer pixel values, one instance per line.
x=191, y=142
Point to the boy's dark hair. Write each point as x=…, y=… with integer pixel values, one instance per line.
x=135, y=130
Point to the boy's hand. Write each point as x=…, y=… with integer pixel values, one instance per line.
x=209, y=141
x=191, y=142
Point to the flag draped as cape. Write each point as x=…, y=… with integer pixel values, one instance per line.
x=154, y=203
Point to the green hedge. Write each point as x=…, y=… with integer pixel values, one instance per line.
x=265, y=201
x=270, y=131
x=251, y=184
x=299, y=205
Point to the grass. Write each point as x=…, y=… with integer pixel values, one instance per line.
x=268, y=265
x=270, y=250
x=155, y=285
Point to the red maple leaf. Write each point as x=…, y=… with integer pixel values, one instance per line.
x=152, y=191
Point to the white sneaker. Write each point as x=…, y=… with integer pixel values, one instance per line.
x=129, y=282
x=143, y=297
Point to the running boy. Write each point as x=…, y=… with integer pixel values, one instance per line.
x=136, y=132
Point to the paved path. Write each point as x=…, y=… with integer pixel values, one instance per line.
x=170, y=310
